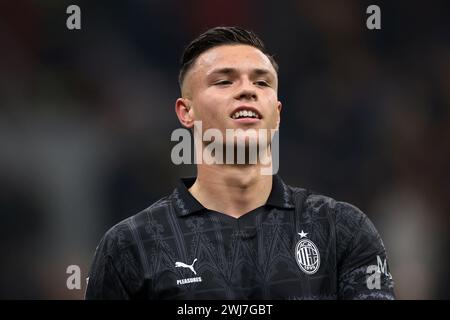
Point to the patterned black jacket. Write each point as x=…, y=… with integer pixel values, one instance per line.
x=299, y=245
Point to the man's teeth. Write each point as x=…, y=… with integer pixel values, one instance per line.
x=245, y=114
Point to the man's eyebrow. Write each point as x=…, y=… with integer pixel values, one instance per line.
x=261, y=72
x=222, y=71
x=226, y=71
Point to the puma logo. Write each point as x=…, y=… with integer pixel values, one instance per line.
x=183, y=265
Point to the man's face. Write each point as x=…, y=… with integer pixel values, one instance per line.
x=229, y=81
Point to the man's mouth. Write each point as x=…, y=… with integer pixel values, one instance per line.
x=246, y=113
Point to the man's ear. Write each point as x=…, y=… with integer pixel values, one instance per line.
x=279, y=107
x=184, y=112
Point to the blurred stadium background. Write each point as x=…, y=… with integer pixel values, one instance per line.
x=86, y=118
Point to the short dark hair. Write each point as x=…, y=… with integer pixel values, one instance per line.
x=215, y=37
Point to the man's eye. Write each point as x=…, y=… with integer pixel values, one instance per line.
x=262, y=83
x=223, y=82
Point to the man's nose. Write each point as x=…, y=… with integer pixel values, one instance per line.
x=247, y=92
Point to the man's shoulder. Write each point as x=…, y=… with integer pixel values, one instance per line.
x=123, y=230
x=318, y=205
x=350, y=224
x=157, y=208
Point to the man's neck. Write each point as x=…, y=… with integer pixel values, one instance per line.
x=231, y=189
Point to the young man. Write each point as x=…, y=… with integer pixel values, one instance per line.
x=233, y=232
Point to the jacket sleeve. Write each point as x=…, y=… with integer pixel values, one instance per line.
x=115, y=273
x=363, y=270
